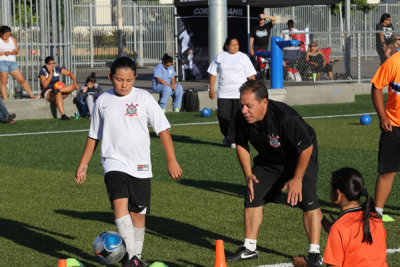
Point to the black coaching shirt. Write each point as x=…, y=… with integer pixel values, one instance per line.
x=279, y=138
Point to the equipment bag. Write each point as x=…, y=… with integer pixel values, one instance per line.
x=190, y=100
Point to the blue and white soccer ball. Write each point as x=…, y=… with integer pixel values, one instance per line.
x=109, y=247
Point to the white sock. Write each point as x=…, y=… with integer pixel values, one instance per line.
x=314, y=249
x=379, y=211
x=250, y=244
x=139, y=239
x=126, y=230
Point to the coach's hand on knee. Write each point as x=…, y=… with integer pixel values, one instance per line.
x=295, y=187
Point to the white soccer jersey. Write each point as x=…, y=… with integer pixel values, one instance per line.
x=233, y=70
x=121, y=122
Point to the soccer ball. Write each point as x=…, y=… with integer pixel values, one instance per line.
x=365, y=119
x=109, y=247
x=205, y=112
x=59, y=85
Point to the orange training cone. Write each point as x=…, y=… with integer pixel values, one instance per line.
x=62, y=263
x=220, y=254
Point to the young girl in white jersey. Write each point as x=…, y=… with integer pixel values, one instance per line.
x=120, y=120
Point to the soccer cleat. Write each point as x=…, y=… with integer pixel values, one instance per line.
x=164, y=110
x=133, y=262
x=10, y=118
x=313, y=260
x=64, y=117
x=243, y=254
x=233, y=146
x=177, y=110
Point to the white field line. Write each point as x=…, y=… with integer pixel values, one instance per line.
x=175, y=125
x=289, y=264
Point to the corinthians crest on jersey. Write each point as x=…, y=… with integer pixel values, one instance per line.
x=131, y=110
x=274, y=140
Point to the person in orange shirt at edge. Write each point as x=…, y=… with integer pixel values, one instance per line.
x=388, y=74
x=357, y=238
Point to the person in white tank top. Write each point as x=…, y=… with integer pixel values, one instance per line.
x=8, y=62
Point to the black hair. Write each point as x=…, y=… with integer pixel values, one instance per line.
x=290, y=23
x=91, y=78
x=122, y=63
x=350, y=182
x=167, y=59
x=48, y=59
x=257, y=87
x=228, y=41
x=4, y=29
x=384, y=17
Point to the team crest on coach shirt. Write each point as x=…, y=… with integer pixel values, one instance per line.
x=274, y=140
x=131, y=110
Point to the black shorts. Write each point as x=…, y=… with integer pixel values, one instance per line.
x=271, y=180
x=137, y=190
x=389, y=151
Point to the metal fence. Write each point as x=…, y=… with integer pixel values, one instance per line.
x=84, y=33
x=321, y=19
x=148, y=29
x=41, y=28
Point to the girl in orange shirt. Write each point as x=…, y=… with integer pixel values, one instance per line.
x=357, y=237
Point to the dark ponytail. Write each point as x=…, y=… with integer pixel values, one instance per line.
x=91, y=78
x=350, y=182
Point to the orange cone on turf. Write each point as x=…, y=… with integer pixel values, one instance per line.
x=220, y=254
x=62, y=263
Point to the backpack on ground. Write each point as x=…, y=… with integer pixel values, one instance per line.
x=81, y=106
x=190, y=100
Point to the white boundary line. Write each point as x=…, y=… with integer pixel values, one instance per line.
x=178, y=124
x=289, y=264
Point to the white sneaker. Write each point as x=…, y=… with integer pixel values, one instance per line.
x=233, y=146
x=177, y=110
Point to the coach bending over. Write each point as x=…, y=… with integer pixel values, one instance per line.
x=287, y=159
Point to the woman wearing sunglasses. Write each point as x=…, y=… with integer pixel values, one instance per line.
x=393, y=47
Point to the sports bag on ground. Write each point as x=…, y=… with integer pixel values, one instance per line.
x=190, y=100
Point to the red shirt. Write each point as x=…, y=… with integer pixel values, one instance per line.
x=345, y=247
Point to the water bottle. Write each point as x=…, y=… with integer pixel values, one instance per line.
x=76, y=115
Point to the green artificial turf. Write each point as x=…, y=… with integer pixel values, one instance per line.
x=45, y=215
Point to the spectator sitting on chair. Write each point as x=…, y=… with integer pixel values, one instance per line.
x=393, y=47
x=165, y=84
x=89, y=93
x=49, y=75
x=317, y=61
